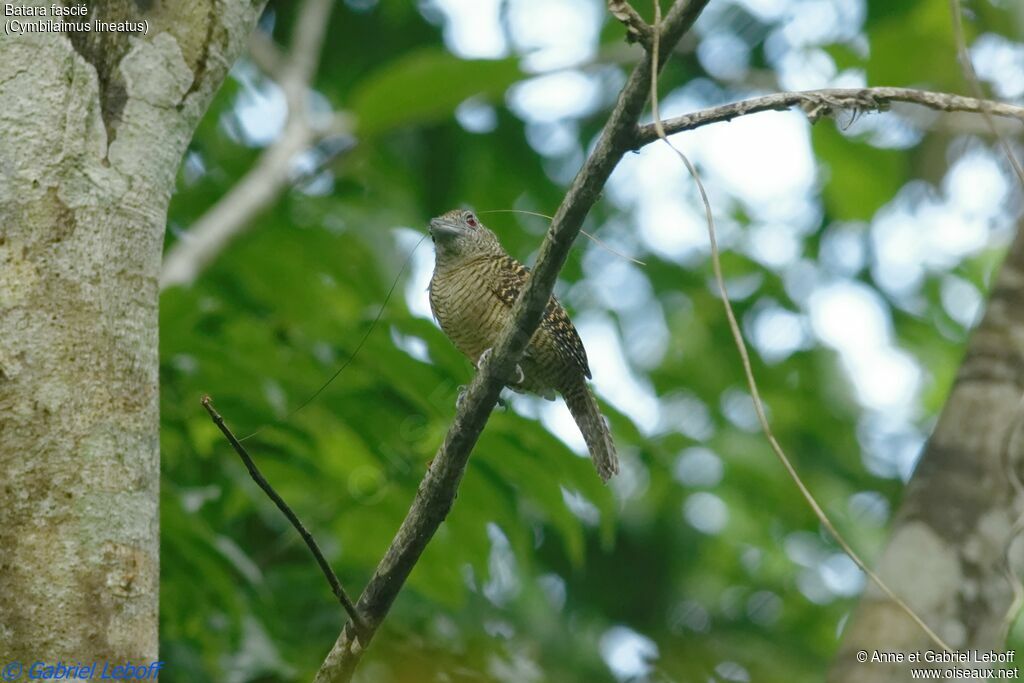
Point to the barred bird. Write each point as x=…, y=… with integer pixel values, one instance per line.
x=474, y=286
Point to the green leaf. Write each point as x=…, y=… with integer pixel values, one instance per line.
x=915, y=49
x=426, y=86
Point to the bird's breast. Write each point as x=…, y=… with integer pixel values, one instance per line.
x=466, y=309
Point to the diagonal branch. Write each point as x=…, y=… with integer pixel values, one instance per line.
x=261, y=481
x=271, y=175
x=437, y=490
x=818, y=103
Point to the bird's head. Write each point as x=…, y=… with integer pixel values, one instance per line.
x=459, y=233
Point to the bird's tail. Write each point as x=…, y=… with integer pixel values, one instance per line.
x=592, y=423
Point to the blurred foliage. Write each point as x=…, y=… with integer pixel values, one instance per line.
x=540, y=573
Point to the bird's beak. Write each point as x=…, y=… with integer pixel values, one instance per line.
x=442, y=228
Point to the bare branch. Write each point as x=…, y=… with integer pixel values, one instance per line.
x=637, y=30
x=818, y=103
x=437, y=490
x=256, y=191
x=308, y=39
x=267, y=55
x=271, y=175
x=257, y=476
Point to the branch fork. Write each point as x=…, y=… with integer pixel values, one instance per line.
x=332, y=579
x=637, y=30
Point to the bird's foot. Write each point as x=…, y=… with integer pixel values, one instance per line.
x=502, y=403
x=520, y=376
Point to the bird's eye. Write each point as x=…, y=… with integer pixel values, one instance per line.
x=470, y=219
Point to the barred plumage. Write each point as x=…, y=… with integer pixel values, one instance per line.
x=472, y=291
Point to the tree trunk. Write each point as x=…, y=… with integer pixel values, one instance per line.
x=947, y=555
x=92, y=130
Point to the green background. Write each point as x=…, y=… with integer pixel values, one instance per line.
x=541, y=573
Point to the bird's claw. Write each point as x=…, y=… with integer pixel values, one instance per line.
x=502, y=403
x=520, y=375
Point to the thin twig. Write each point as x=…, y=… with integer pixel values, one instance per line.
x=311, y=543
x=1016, y=485
x=827, y=102
x=748, y=370
x=988, y=108
x=267, y=55
x=436, y=492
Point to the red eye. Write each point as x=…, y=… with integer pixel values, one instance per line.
x=471, y=220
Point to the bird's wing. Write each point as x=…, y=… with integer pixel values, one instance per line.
x=566, y=339
x=511, y=276
x=555, y=325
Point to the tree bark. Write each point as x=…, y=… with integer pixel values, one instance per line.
x=947, y=554
x=92, y=130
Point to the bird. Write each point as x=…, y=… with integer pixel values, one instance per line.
x=472, y=291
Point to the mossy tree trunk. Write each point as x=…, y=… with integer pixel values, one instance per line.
x=960, y=518
x=92, y=130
